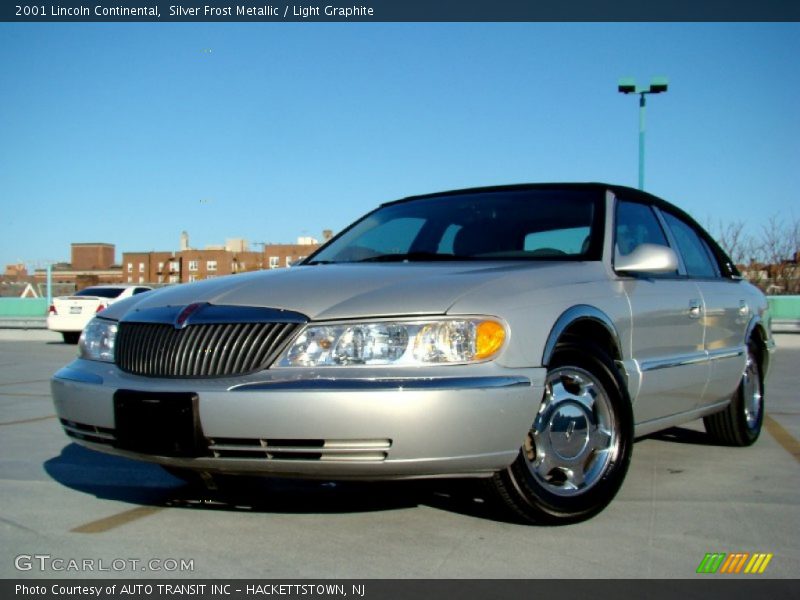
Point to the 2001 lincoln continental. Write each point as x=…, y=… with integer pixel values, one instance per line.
x=524, y=334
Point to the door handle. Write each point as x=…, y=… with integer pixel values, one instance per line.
x=694, y=309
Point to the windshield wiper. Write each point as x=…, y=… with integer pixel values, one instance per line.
x=318, y=262
x=413, y=257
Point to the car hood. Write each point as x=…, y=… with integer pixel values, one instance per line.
x=342, y=291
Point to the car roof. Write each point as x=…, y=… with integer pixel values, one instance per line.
x=629, y=192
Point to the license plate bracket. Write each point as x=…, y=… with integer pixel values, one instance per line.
x=158, y=423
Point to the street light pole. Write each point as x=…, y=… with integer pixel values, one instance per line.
x=642, y=104
x=628, y=86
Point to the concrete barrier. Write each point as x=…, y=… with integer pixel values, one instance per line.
x=785, y=312
x=23, y=313
x=23, y=307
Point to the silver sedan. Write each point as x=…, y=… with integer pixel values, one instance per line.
x=523, y=334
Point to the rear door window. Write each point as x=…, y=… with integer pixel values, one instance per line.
x=697, y=256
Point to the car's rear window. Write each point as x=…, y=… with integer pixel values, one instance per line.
x=522, y=224
x=102, y=292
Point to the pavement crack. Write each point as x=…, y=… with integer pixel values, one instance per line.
x=16, y=525
x=24, y=421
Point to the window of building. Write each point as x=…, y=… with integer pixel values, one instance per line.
x=211, y=265
x=289, y=261
x=194, y=265
x=173, y=279
x=242, y=265
x=160, y=267
x=192, y=278
x=130, y=279
x=141, y=267
x=130, y=267
x=160, y=279
x=141, y=279
x=174, y=265
x=274, y=262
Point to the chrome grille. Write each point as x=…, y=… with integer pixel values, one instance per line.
x=202, y=350
x=318, y=450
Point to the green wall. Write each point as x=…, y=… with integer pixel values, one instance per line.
x=23, y=307
x=785, y=307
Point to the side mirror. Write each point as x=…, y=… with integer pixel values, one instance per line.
x=648, y=258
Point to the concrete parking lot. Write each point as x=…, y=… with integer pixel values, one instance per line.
x=683, y=498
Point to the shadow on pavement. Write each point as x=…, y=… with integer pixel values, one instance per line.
x=114, y=478
x=681, y=435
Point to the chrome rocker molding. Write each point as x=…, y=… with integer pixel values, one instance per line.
x=694, y=358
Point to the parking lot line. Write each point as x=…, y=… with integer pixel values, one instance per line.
x=783, y=437
x=114, y=521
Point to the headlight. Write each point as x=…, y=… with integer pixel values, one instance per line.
x=446, y=341
x=97, y=340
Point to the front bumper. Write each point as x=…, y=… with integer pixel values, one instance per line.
x=360, y=424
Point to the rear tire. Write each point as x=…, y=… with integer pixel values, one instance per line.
x=576, y=454
x=71, y=337
x=740, y=423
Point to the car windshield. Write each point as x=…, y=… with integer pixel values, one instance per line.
x=101, y=292
x=515, y=224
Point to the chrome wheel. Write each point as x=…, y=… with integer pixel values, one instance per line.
x=574, y=437
x=751, y=392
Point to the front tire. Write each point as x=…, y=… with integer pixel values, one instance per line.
x=740, y=423
x=577, y=451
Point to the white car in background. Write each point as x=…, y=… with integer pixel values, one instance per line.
x=69, y=314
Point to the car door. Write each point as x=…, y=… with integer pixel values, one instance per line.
x=666, y=336
x=726, y=313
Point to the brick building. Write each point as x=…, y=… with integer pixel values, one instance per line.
x=92, y=256
x=91, y=264
x=187, y=265
x=193, y=264
x=146, y=267
x=277, y=256
x=17, y=272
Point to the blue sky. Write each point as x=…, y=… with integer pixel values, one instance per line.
x=129, y=134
